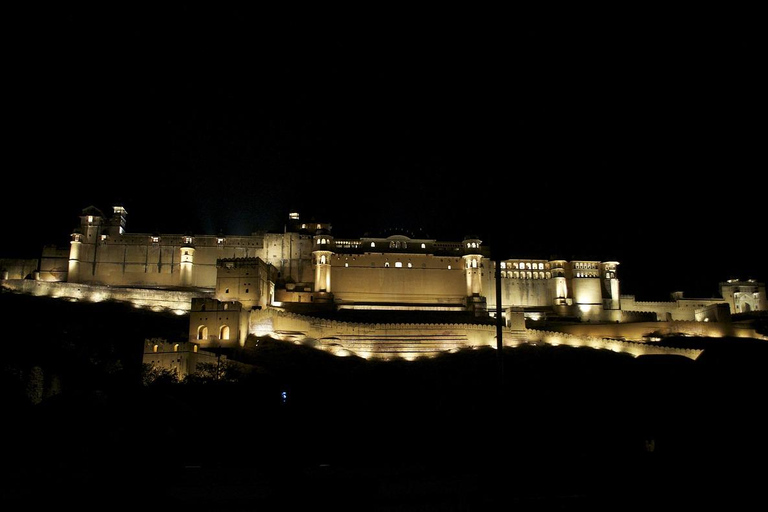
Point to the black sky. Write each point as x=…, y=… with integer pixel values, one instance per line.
x=628, y=137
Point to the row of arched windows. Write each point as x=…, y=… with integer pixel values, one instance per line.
x=396, y=244
x=202, y=332
x=175, y=348
x=516, y=274
x=525, y=265
x=399, y=264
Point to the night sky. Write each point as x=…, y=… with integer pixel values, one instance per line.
x=637, y=138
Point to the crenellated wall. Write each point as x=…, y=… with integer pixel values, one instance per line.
x=17, y=268
x=178, y=301
x=677, y=309
x=638, y=331
x=409, y=341
x=634, y=348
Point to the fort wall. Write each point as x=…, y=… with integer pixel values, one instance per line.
x=678, y=309
x=182, y=358
x=634, y=348
x=367, y=279
x=418, y=340
x=638, y=331
x=18, y=268
x=157, y=299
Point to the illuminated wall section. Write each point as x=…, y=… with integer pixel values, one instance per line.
x=611, y=292
x=321, y=261
x=213, y=323
x=187, y=263
x=76, y=246
x=586, y=285
x=398, y=278
x=102, y=252
x=744, y=296
x=291, y=254
x=524, y=283
x=245, y=280
x=54, y=264
x=473, y=267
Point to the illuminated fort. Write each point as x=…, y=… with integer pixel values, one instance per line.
x=392, y=295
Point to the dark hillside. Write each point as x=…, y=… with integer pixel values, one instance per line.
x=299, y=424
x=80, y=346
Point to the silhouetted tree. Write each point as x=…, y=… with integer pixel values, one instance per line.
x=152, y=375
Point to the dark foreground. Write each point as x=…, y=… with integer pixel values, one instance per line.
x=559, y=429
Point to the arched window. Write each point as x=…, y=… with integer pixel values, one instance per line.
x=373, y=244
x=176, y=347
x=398, y=264
x=202, y=332
x=386, y=264
x=224, y=332
x=322, y=259
x=154, y=349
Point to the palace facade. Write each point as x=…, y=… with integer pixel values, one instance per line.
x=298, y=280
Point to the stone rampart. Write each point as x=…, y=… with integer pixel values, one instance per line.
x=634, y=348
x=179, y=301
x=639, y=331
x=416, y=340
